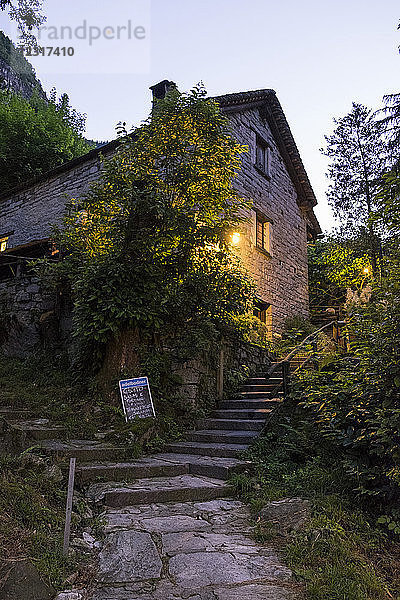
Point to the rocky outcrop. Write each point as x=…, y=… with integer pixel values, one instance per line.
x=289, y=514
x=16, y=73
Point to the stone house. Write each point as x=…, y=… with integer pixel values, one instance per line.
x=273, y=245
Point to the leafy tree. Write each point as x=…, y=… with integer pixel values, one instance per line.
x=358, y=159
x=37, y=135
x=149, y=247
x=28, y=15
x=334, y=266
x=354, y=400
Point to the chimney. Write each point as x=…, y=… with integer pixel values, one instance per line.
x=160, y=90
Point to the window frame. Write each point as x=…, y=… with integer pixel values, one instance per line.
x=262, y=310
x=263, y=166
x=264, y=223
x=4, y=243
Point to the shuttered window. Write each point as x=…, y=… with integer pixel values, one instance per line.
x=262, y=233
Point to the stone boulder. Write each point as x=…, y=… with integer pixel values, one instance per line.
x=22, y=582
x=289, y=514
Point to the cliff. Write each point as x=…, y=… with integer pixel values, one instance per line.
x=16, y=73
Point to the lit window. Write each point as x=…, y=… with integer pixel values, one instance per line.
x=262, y=233
x=262, y=310
x=3, y=244
x=263, y=157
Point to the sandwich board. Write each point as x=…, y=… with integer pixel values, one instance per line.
x=136, y=398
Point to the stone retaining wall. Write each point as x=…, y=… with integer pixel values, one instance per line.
x=31, y=318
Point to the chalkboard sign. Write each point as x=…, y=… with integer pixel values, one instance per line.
x=136, y=398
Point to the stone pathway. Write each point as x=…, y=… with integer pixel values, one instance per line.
x=171, y=530
x=191, y=550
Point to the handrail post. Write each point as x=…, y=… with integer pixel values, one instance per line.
x=286, y=378
x=220, y=379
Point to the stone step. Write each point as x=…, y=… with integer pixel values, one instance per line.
x=22, y=432
x=126, y=471
x=12, y=412
x=268, y=387
x=183, y=488
x=231, y=424
x=253, y=414
x=249, y=403
x=209, y=466
x=224, y=450
x=259, y=395
x=82, y=450
x=216, y=436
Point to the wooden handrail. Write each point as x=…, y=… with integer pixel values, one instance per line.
x=294, y=351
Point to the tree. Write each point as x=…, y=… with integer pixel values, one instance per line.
x=391, y=123
x=149, y=247
x=37, y=135
x=28, y=15
x=335, y=266
x=358, y=159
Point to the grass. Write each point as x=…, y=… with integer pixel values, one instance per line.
x=342, y=553
x=32, y=494
x=46, y=386
x=32, y=509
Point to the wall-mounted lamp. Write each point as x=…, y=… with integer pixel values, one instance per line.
x=236, y=238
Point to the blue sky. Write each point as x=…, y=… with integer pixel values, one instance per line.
x=319, y=56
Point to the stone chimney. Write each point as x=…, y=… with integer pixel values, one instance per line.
x=161, y=89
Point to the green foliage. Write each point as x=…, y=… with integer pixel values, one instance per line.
x=390, y=121
x=36, y=136
x=391, y=521
x=358, y=156
x=28, y=15
x=32, y=508
x=148, y=248
x=355, y=400
x=340, y=553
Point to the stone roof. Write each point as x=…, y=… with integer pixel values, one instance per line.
x=272, y=109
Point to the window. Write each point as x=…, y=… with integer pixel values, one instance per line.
x=262, y=233
x=262, y=310
x=263, y=157
x=3, y=244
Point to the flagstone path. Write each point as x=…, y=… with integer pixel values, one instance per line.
x=190, y=550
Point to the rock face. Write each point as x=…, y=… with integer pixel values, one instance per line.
x=16, y=73
x=287, y=514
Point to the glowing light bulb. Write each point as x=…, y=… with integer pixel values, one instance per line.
x=235, y=238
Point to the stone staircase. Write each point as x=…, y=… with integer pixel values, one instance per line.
x=196, y=468
x=170, y=526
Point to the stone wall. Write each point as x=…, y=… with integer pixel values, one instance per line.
x=28, y=317
x=200, y=377
x=29, y=214
x=281, y=275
